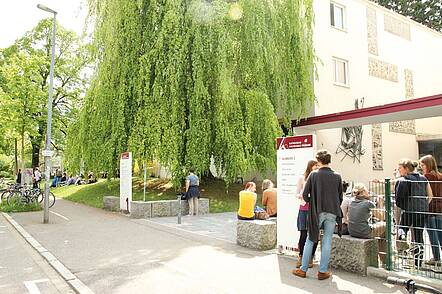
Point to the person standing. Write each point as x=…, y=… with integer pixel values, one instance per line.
x=37, y=178
x=192, y=192
x=18, y=179
x=413, y=194
x=312, y=165
x=434, y=220
x=323, y=192
x=269, y=197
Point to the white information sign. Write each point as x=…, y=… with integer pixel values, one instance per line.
x=293, y=153
x=125, y=181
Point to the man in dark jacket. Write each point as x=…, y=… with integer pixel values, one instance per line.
x=323, y=190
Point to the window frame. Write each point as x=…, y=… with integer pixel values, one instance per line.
x=335, y=61
x=344, y=16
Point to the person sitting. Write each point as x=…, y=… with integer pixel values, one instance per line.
x=269, y=197
x=359, y=225
x=91, y=178
x=54, y=182
x=345, y=206
x=63, y=180
x=71, y=180
x=247, y=201
x=79, y=180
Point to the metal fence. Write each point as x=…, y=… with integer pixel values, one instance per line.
x=408, y=229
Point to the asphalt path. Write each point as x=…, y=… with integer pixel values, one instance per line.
x=22, y=269
x=112, y=253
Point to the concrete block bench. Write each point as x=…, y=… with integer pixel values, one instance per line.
x=140, y=209
x=111, y=203
x=353, y=254
x=256, y=234
x=160, y=208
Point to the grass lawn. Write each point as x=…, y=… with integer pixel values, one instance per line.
x=221, y=200
x=4, y=207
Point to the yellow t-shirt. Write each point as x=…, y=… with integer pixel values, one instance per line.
x=247, y=202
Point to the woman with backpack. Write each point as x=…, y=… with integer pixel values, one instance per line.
x=413, y=194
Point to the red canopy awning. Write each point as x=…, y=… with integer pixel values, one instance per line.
x=425, y=107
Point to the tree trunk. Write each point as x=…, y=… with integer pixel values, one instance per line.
x=35, y=154
x=36, y=143
x=22, y=155
x=15, y=156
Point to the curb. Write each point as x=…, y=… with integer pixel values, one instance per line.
x=383, y=274
x=77, y=285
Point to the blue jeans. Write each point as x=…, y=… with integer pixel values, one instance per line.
x=434, y=229
x=327, y=222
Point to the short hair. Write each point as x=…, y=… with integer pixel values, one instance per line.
x=191, y=170
x=323, y=156
x=266, y=184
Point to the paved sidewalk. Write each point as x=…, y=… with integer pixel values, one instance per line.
x=22, y=269
x=216, y=225
x=111, y=253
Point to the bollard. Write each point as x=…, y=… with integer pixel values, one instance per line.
x=179, y=207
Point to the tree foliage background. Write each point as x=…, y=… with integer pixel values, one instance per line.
x=24, y=82
x=427, y=12
x=187, y=82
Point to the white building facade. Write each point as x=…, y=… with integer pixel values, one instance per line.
x=371, y=54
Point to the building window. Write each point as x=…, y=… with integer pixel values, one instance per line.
x=340, y=67
x=337, y=16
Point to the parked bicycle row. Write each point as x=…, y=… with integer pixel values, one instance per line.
x=24, y=194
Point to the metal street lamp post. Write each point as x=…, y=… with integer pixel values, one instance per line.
x=47, y=153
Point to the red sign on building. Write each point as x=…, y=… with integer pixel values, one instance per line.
x=294, y=142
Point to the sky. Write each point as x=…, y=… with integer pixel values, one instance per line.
x=19, y=16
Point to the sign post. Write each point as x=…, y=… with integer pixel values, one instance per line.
x=125, y=181
x=293, y=153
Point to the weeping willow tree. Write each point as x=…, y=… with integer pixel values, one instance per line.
x=192, y=83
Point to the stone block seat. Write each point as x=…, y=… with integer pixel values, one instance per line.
x=354, y=254
x=256, y=234
x=111, y=203
x=160, y=208
x=140, y=209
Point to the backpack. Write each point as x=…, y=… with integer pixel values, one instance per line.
x=260, y=213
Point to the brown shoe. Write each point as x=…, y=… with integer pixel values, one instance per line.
x=299, y=262
x=310, y=264
x=299, y=273
x=324, y=276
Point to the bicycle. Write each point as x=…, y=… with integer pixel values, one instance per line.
x=25, y=195
x=412, y=286
x=41, y=196
x=10, y=190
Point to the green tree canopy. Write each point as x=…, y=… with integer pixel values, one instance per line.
x=190, y=82
x=428, y=12
x=24, y=81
